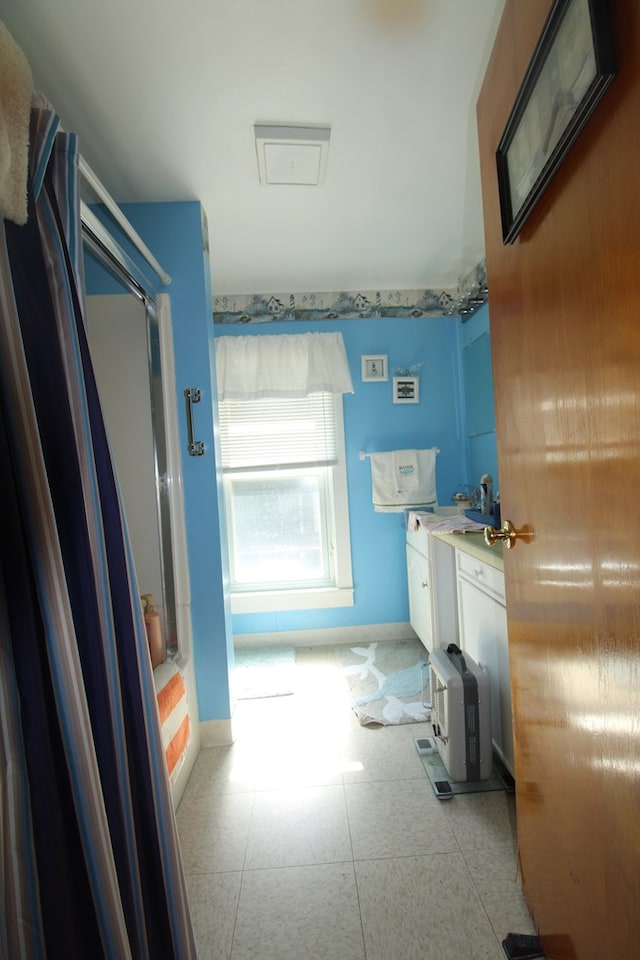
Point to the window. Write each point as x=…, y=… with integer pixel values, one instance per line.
x=286, y=502
x=284, y=474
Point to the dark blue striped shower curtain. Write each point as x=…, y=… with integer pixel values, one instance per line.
x=89, y=859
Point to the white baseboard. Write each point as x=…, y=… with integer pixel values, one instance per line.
x=180, y=782
x=369, y=633
x=215, y=733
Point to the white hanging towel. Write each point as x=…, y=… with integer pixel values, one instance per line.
x=406, y=469
x=403, y=478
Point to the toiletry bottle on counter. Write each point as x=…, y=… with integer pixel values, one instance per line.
x=486, y=494
x=154, y=631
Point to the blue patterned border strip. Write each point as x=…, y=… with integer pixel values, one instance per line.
x=463, y=301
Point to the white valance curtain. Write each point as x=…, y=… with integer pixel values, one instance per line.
x=281, y=365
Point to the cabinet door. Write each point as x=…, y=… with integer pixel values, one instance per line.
x=419, y=583
x=444, y=603
x=483, y=635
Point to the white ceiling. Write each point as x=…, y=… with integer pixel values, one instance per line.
x=164, y=96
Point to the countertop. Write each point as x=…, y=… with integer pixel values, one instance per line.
x=474, y=545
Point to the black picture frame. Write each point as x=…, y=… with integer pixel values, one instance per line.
x=572, y=66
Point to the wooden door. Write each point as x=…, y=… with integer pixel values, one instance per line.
x=565, y=329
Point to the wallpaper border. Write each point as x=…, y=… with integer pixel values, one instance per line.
x=469, y=295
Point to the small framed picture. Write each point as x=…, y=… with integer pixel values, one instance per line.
x=406, y=390
x=374, y=367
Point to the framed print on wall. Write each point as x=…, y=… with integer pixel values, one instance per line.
x=374, y=367
x=572, y=66
x=406, y=390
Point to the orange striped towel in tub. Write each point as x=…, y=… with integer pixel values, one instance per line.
x=174, y=715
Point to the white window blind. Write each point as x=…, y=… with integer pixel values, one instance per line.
x=278, y=433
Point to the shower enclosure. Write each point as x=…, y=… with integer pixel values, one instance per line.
x=124, y=342
x=124, y=332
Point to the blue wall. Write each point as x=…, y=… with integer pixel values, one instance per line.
x=374, y=423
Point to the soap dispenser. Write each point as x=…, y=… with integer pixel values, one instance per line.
x=154, y=631
x=486, y=494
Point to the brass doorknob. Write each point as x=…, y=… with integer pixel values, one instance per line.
x=506, y=534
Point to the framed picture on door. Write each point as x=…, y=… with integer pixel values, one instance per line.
x=572, y=66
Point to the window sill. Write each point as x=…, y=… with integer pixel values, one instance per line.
x=279, y=600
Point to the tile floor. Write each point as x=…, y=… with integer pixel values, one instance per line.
x=313, y=837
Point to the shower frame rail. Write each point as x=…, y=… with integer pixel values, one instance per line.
x=103, y=194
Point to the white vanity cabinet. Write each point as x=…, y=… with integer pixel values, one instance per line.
x=419, y=585
x=431, y=583
x=483, y=635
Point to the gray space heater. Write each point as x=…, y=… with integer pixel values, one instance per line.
x=461, y=714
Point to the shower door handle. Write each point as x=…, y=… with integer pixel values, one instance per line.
x=195, y=447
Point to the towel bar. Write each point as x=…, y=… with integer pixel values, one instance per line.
x=365, y=456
